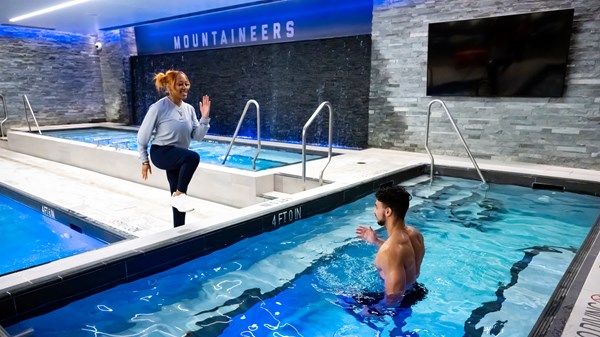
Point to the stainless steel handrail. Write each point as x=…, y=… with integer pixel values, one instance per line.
x=457, y=132
x=27, y=105
x=5, y=116
x=312, y=118
x=237, y=129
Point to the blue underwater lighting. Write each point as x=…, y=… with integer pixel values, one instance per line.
x=18, y=32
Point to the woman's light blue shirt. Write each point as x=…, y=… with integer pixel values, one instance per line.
x=171, y=124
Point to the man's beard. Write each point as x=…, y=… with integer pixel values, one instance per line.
x=381, y=223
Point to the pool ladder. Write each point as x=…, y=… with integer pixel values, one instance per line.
x=237, y=129
x=27, y=106
x=457, y=132
x=27, y=333
x=5, y=116
x=310, y=120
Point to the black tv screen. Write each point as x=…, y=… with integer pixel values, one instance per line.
x=522, y=55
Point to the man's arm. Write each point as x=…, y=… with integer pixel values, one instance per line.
x=394, y=283
x=420, y=253
x=394, y=280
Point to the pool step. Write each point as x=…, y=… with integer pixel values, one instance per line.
x=273, y=195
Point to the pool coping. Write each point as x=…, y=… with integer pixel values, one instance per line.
x=269, y=144
x=182, y=242
x=72, y=219
x=124, y=164
x=556, y=314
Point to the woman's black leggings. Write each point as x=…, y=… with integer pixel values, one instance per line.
x=180, y=165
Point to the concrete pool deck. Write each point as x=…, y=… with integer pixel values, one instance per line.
x=143, y=211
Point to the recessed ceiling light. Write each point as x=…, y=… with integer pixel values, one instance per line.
x=48, y=10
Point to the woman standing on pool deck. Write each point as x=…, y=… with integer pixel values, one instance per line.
x=175, y=124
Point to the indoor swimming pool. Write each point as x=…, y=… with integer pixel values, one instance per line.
x=211, y=151
x=29, y=238
x=493, y=258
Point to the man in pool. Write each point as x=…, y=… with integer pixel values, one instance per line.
x=399, y=257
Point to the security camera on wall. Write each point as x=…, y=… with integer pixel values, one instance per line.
x=98, y=46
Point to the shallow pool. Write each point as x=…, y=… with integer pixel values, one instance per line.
x=493, y=260
x=29, y=238
x=211, y=152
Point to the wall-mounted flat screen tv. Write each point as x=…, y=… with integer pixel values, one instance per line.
x=522, y=55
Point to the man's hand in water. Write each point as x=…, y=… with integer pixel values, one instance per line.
x=375, y=311
x=368, y=234
x=367, y=312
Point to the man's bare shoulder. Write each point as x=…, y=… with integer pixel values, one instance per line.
x=415, y=235
x=412, y=230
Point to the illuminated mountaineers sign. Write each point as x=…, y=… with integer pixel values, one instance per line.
x=264, y=23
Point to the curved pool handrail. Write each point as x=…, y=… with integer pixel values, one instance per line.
x=27, y=105
x=237, y=129
x=5, y=116
x=457, y=132
x=311, y=119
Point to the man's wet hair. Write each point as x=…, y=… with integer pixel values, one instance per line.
x=396, y=198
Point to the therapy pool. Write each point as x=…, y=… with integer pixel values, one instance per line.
x=33, y=236
x=493, y=260
x=211, y=151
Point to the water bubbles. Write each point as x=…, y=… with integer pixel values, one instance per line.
x=352, y=271
x=543, y=199
x=347, y=331
x=483, y=187
x=427, y=212
x=180, y=307
x=103, y=307
x=142, y=318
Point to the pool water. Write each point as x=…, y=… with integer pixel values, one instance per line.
x=28, y=238
x=211, y=152
x=493, y=258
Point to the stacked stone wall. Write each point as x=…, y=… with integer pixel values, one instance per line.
x=561, y=131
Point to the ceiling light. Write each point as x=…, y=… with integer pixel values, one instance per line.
x=48, y=10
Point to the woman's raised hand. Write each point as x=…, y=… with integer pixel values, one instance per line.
x=205, y=106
